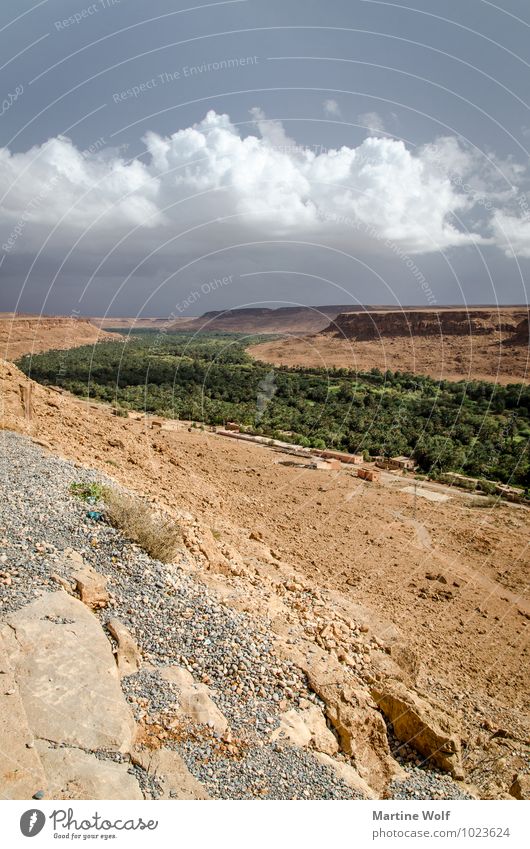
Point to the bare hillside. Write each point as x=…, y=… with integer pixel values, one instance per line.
x=30, y=334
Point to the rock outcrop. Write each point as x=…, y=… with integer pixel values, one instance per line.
x=373, y=325
x=66, y=730
x=195, y=701
x=421, y=725
x=359, y=725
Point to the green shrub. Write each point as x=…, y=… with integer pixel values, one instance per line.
x=487, y=486
x=86, y=491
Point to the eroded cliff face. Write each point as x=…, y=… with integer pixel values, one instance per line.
x=32, y=334
x=511, y=324
x=522, y=334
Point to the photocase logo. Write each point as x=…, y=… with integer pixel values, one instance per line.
x=32, y=822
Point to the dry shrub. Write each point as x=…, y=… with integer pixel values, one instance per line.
x=486, y=501
x=157, y=534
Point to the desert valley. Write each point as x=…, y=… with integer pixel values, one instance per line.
x=265, y=423
x=391, y=612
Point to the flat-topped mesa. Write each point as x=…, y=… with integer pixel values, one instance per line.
x=294, y=319
x=31, y=334
x=366, y=326
x=33, y=323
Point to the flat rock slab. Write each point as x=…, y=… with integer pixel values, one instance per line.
x=21, y=771
x=348, y=774
x=67, y=676
x=74, y=774
x=171, y=773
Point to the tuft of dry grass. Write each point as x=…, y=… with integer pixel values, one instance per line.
x=158, y=535
x=486, y=501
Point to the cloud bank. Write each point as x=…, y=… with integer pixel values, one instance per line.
x=208, y=185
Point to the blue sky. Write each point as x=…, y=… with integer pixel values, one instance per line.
x=314, y=153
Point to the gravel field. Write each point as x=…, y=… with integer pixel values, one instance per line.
x=175, y=620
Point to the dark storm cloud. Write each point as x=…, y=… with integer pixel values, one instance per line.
x=349, y=149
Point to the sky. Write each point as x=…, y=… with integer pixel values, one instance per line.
x=171, y=158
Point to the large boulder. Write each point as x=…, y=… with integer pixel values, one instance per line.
x=420, y=724
x=67, y=676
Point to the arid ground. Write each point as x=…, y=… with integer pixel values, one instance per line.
x=441, y=582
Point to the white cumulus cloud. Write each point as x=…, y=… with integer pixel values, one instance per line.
x=217, y=187
x=512, y=233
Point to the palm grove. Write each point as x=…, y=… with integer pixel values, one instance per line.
x=477, y=428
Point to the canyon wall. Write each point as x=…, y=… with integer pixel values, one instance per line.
x=511, y=324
